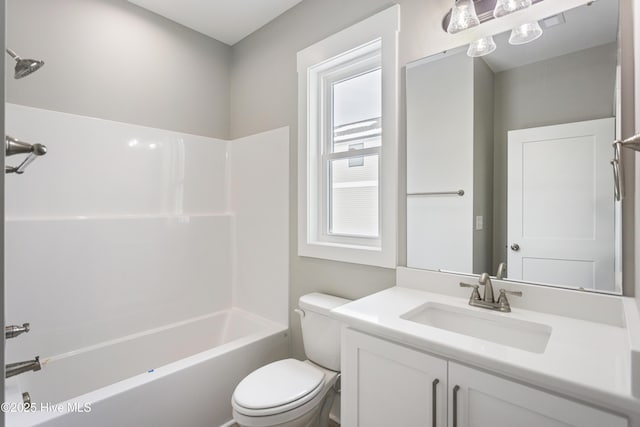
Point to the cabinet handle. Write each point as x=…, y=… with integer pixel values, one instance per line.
x=434, y=389
x=455, y=405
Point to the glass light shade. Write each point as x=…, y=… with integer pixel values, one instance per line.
x=463, y=16
x=525, y=33
x=481, y=47
x=505, y=7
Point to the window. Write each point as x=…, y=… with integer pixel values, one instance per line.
x=348, y=124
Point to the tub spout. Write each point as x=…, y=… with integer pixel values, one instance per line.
x=17, y=368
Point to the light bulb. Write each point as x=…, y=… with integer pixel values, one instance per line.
x=525, y=33
x=463, y=16
x=481, y=47
x=505, y=7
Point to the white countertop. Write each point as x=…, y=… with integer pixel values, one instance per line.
x=586, y=360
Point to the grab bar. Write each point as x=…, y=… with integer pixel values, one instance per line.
x=439, y=193
x=14, y=146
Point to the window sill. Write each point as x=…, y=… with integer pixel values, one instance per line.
x=349, y=253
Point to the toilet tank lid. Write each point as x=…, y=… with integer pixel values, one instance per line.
x=321, y=303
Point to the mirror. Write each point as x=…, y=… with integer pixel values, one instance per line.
x=508, y=156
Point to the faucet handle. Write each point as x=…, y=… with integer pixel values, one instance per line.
x=468, y=285
x=504, y=291
x=503, y=302
x=475, y=295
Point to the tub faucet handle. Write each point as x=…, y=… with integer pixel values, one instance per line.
x=13, y=331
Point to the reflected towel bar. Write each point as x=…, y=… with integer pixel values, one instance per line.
x=439, y=193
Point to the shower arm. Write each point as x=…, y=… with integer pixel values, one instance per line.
x=13, y=54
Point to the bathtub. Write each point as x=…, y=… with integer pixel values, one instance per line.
x=179, y=375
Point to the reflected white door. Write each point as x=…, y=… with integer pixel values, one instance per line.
x=560, y=204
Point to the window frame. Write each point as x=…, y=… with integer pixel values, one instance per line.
x=362, y=48
x=369, y=60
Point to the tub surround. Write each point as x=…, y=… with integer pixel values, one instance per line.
x=591, y=354
x=121, y=230
x=118, y=209
x=259, y=200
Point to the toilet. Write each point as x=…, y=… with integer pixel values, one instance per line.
x=289, y=392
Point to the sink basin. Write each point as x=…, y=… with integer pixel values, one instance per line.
x=497, y=328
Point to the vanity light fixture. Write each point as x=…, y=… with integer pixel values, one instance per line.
x=463, y=16
x=466, y=14
x=484, y=11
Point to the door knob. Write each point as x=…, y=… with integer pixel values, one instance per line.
x=515, y=247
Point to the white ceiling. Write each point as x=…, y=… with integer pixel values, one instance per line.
x=228, y=21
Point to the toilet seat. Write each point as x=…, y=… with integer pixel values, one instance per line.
x=278, y=387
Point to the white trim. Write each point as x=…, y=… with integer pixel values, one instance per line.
x=636, y=39
x=383, y=26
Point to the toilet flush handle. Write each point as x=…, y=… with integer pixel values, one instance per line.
x=300, y=312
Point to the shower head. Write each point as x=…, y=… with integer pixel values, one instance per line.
x=24, y=67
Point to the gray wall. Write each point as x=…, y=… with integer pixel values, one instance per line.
x=264, y=96
x=583, y=88
x=113, y=60
x=482, y=166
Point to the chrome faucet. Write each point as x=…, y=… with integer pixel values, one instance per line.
x=485, y=281
x=17, y=368
x=487, y=301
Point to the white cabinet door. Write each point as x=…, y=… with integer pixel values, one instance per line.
x=385, y=384
x=484, y=400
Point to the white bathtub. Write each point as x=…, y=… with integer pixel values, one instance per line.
x=180, y=375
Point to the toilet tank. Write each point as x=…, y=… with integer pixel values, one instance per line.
x=321, y=333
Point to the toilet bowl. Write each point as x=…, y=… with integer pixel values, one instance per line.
x=286, y=393
x=290, y=392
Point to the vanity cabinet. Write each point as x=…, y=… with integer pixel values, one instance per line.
x=384, y=384
x=387, y=384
